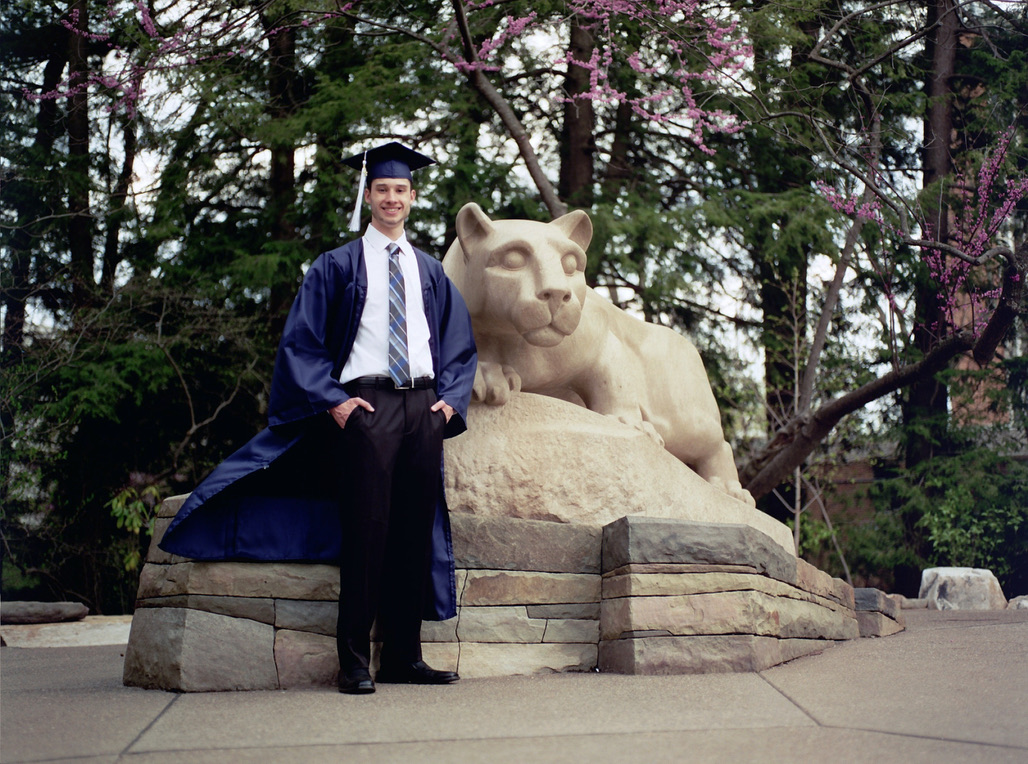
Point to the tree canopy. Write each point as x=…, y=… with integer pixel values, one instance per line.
x=828, y=196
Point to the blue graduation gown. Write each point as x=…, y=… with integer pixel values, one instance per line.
x=262, y=503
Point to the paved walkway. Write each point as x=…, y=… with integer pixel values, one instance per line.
x=952, y=688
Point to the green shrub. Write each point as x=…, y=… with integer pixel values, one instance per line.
x=967, y=510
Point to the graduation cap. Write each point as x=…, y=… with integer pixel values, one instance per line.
x=391, y=160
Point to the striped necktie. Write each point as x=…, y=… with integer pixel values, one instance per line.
x=399, y=363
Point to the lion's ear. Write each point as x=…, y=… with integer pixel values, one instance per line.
x=577, y=226
x=473, y=225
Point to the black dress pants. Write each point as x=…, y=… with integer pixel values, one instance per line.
x=389, y=482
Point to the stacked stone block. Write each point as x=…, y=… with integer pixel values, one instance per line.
x=681, y=597
x=641, y=596
x=878, y=614
x=529, y=597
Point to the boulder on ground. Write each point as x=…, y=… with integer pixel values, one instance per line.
x=1018, y=603
x=961, y=589
x=42, y=612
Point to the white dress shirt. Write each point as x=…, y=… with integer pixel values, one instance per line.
x=370, y=354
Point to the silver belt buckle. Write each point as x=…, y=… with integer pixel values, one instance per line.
x=408, y=386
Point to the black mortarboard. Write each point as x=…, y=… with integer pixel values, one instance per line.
x=391, y=160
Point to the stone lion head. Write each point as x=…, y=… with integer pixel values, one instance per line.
x=521, y=276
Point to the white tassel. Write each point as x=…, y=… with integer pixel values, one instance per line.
x=355, y=218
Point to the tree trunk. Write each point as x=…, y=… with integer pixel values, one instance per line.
x=80, y=221
x=281, y=207
x=577, y=146
x=927, y=402
x=27, y=200
x=619, y=167
x=119, y=211
x=282, y=90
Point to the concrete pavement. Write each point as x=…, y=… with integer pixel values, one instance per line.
x=952, y=688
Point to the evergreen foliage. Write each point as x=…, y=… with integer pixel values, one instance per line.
x=169, y=171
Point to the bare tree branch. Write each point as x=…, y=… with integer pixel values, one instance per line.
x=506, y=114
x=792, y=444
x=1011, y=302
x=806, y=385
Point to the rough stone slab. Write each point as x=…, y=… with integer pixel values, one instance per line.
x=441, y=655
x=159, y=581
x=814, y=580
x=507, y=543
x=791, y=649
x=572, y=630
x=701, y=654
x=528, y=588
x=875, y=624
x=844, y=593
x=725, y=613
x=877, y=601
x=439, y=631
x=155, y=553
x=260, y=609
x=658, y=567
x=656, y=540
x=808, y=620
x=303, y=615
x=193, y=651
x=664, y=584
x=42, y=612
x=961, y=589
x=305, y=659
x=170, y=506
x=670, y=584
x=277, y=580
x=482, y=660
x=498, y=624
x=292, y=581
x=587, y=611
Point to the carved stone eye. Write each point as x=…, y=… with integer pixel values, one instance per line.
x=513, y=259
x=570, y=263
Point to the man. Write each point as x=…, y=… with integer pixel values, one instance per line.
x=374, y=369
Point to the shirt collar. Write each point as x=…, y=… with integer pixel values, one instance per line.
x=381, y=242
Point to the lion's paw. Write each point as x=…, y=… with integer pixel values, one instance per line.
x=642, y=425
x=734, y=489
x=495, y=383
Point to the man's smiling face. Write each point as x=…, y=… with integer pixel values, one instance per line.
x=390, y=200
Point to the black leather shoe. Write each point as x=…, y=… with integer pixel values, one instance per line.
x=356, y=683
x=415, y=673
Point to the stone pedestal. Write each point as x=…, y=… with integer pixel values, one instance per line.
x=529, y=602
x=641, y=596
x=683, y=598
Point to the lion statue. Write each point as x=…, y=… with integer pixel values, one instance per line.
x=541, y=329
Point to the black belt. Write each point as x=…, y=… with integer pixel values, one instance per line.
x=386, y=383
